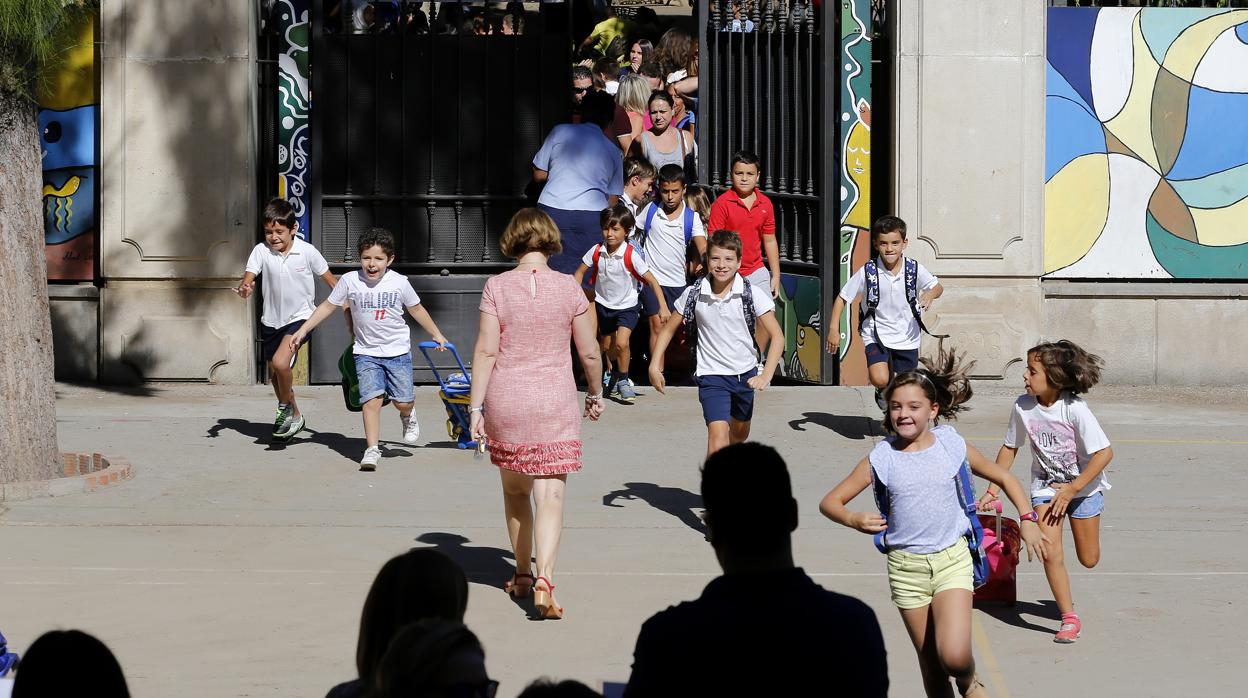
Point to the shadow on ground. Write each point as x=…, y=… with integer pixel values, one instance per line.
x=489, y=567
x=1013, y=615
x=349, y=447
x=856, y=428
x=670, y=500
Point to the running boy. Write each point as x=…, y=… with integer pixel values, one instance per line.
x=749, y=212
x=615, y=268
x=667, y=227
x=897, y=293
x=719, y=312
x=383, y=345
x=289, y=266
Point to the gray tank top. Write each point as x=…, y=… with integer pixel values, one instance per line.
x=659, y=158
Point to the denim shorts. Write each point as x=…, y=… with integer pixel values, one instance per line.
x=385, y=375
x=897, y=359
x=727, y=398
x=1080, y=507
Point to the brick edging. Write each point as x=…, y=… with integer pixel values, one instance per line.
x=83, y=472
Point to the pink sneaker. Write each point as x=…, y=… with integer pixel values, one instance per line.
x=1069, y=632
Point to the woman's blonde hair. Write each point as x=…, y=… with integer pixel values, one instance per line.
x=530, y=230
x=633, y=93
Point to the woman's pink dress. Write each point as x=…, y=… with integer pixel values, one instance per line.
x=531, y=411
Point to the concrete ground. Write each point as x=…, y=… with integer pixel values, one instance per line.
x=230, y=567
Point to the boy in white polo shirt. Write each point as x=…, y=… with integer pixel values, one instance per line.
x=383, y=343
x=616, y=267
x=289, y=267
x=665, y=229
x=895, y=297
x=720, y=312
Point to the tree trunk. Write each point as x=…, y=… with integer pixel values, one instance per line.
x=27, y=388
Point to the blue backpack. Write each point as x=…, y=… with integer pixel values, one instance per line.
x=8, y=660
x=871, y=277
x=966, y=497
x=652, y=209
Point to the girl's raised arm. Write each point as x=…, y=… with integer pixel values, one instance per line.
x=999, y=475
x=833, y=504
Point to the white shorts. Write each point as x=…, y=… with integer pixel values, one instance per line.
x=760, y=278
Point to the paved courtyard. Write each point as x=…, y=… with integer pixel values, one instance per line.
x=229, y=567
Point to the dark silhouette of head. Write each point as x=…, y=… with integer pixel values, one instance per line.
x=69, y=663
x=597, y=108
x=433, y=658
x=548, y=688
x=749, y=504
x=421, y=583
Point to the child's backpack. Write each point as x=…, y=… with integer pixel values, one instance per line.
x=652, y=209
x=975, y=530
x=8, y=659
x=871, y=275
x=628, y=264
x=351, y=381
x=1002, y=541
x=690, y=321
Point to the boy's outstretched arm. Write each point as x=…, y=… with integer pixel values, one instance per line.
x=1030, y=530
x=579, y=274
x=834, y=327
x=332, y=281
x=422, y=318
x=664, y=312
x=660, y=349
x=247, y=285
x=775, y=351
x=833, y=504
x=324, y=310
x=926, y=298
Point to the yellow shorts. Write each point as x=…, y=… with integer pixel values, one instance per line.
x=915, y=578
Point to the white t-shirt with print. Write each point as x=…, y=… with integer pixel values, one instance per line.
x=377, y=312
x=893, y=321
x=665, y=242
x=725, y=347
x=1063, y=438
x=614, y=286
x=289, y=281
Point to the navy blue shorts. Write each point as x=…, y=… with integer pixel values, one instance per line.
x=897, y=359
x=578, y=231
x=727, y=397
x=271, y=338
x=610, y=319
x=650, y=302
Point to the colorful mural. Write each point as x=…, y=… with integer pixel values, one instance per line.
x=797, y=311
x=855, y=137
x=1146, y=163
x=290, y=18
x=67, y=123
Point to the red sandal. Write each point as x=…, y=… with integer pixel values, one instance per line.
x=544, y=600
x=515, y=588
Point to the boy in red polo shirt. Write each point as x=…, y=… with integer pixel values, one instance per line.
x=750, y=214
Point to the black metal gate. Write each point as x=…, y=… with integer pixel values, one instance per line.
x=766, y=86
x=429, y=134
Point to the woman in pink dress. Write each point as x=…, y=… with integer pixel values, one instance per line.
x=524, y=398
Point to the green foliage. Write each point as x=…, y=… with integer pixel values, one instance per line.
x=28, y=39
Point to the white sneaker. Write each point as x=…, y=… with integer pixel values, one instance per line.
x=371, y=456
x=411, y=428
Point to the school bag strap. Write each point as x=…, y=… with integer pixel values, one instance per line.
x=593, y=268
x=690, y=317
x=653, y=208
x=980, y=569
x=880, y=491
x=688, y=225
x=871, y=279
x=628, y=264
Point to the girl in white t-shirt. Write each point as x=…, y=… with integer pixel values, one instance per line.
x=930, y=571
x=1069, y=453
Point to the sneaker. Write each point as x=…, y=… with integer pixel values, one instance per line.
x=879, y=400
x=626, y=390
x=279, y=422
x=1069, y=632
x=411, y=428
x=610, y=385
x=369, y=461
x=292, y=426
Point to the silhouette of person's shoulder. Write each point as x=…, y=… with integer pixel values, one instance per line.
x=776, y=632
x=350, y=689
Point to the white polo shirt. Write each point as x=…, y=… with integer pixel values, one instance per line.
x=377, y=312
x=893, y=320
x=725, y=347
x=665, y=243
x=289, y=281
x=615, y=287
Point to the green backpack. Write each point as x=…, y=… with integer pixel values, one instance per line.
x=351, y=382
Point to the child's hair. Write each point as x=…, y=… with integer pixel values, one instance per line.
x=671, y=173
x=945, y=381
x=661, y=96
x=725, y=240
x=887, y=224
x=280, y=211
x=376, y=236
x=698, y=197
x=530, y=230
x=617, y=215
x=746, y=157
x=639, y=167
x=605, y=69
x=1067, y=366
x=650, y=69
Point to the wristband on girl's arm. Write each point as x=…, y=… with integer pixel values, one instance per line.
x=1031, y=516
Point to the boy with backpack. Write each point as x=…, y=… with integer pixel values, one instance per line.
x=895, y=292
x=615, y=268
x=719, y=312
x=667, y=227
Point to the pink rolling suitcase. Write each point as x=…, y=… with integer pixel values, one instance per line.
x=1002, y=540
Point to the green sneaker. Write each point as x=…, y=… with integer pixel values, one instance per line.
x=292, y=426
x=279, y=422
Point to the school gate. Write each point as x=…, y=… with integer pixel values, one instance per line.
x=431, y=135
